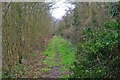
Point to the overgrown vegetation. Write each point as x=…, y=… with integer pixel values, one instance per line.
x=95, y=31
x=98, y=56
x=25, y=27
x=85, y=43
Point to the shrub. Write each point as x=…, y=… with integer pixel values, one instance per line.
x=98, y=55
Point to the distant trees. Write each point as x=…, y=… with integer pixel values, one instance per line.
x=92, y=15
x=24, y=26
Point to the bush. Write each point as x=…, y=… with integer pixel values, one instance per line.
x=98, y=55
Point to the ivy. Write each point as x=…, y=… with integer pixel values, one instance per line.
x=96, y=56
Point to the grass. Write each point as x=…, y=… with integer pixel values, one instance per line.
x=45, y=69
x=61, y=50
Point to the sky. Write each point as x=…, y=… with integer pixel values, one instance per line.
x=60, y=8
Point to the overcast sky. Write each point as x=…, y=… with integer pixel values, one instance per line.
x=60, y=8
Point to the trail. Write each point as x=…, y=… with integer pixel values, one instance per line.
x=53, y=63
x=56, y=70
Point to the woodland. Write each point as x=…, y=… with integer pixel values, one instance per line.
x=85, y=43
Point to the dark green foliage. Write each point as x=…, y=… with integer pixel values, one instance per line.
x=114, y=9
x=98, y=56
x=75, y=20
x=113, y=26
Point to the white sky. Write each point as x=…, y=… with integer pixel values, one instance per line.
x=60, y=8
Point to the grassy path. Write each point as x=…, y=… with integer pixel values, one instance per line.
x=60, y=57
x=53, y=63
